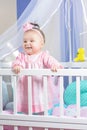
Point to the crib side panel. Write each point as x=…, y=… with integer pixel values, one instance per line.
x=61, y=120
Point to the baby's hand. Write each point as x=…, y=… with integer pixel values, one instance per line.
x=54, y=68
x=16, y=69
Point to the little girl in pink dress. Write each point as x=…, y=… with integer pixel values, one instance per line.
x=34, y=57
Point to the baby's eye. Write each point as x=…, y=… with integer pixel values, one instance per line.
x=25, y=41
x=31, y=40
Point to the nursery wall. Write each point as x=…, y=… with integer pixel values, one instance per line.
x=10, y=10
x=7, y=14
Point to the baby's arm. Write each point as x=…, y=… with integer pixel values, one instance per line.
x=52, y=63
x=17, y=64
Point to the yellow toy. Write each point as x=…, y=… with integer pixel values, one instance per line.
x=80, y=57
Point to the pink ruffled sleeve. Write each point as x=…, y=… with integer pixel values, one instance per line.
x=19, y=61
x=49, y=61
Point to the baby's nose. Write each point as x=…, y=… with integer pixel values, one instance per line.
x=29, y=43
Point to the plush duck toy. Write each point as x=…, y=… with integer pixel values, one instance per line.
x=80, y=57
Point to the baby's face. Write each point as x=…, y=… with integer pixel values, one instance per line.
x=32, y=42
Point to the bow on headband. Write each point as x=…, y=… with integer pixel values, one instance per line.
x=27, y=26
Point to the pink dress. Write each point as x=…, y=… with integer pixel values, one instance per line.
x=38, y=61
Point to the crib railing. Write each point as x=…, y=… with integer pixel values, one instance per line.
x=43, y=121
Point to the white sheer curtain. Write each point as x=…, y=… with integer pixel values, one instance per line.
x=83, y=34
x=46, y=14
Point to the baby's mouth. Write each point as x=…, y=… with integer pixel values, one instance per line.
x=27, y=47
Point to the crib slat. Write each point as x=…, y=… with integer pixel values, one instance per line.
x=78, y=95
x=1, y=127
x=30, y=128
x=14, y=84
x=29, y=95
x=35, y=121
x=1, y=100
x=61, y=97
x=45, y=93
x=15, y=128
x=70, y=77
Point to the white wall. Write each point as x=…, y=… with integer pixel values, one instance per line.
x=52, y=35
x=7, y=14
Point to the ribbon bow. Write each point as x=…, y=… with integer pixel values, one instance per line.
x=27, y=26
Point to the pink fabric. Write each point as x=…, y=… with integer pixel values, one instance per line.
x=27, y=26
x=38, y=61
x=70, y=111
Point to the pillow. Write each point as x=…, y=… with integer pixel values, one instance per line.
x=9, y=106
x=70, y=93
x=4, y=94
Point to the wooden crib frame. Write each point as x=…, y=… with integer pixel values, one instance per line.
x=45, y=121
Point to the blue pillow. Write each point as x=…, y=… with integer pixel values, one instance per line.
x=9, y=106
x=5, y=94
x=70, y=93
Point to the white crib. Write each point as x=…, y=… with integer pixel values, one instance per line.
x=45, y=121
